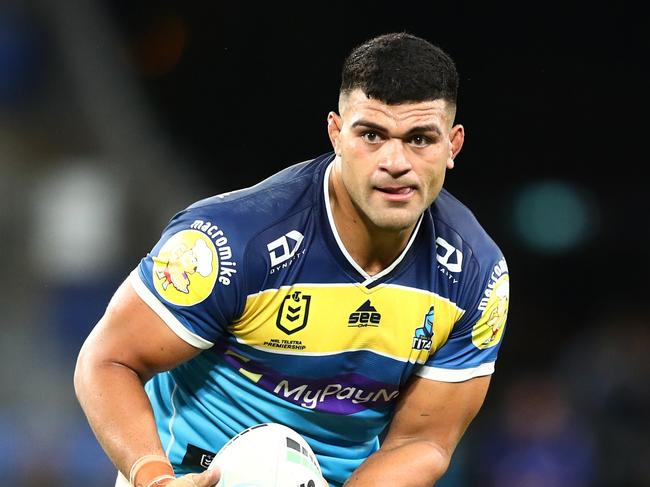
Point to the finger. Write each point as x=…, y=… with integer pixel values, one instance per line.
x=209, y=478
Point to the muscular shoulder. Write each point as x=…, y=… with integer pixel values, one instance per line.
x=285, y=192
x=242, y=223
x=288, y=189
x=250, y=210
x=216, y=252
x=455, y=222
x=466, y=254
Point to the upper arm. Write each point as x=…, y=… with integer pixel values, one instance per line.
x=179, y=300
x=131, y=334
x=435, y=412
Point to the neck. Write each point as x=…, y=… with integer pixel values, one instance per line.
x=372, y=248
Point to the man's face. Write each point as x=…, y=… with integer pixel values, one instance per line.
x=393, y=158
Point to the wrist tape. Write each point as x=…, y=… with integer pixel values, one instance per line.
x=151, y=471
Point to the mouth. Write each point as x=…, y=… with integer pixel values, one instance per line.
x=397, y=193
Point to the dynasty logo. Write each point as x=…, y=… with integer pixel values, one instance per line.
x=365, y=315
x=423, y=334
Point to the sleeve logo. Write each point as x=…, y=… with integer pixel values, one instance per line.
x=186, y=268
x=489, y=328
x=279, y=249
x=451, y=257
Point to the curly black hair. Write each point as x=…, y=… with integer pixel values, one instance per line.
x=399, y=67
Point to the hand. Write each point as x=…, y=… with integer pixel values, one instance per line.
x=209, y=478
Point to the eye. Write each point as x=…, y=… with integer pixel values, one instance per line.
x=420, y=141
x=371, y=137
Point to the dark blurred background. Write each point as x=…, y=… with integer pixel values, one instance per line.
x=115, y=114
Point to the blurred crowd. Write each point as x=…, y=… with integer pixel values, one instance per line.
x=79, y=207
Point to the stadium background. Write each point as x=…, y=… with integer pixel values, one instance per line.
x=115, y=114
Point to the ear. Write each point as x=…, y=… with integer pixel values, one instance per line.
x=334, y=123
x=456, y=140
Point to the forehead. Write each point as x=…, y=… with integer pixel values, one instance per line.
x=357, y=106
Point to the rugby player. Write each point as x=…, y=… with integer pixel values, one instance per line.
x=346, y=297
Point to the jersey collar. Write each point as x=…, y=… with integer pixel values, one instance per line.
x=368, y=280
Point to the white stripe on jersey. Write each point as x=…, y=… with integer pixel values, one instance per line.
x=166, y=315
x=454, y=375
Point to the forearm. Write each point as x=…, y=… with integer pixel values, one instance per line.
x=413, y=464
x=118, y=410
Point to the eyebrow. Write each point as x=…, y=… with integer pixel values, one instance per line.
x=420, y=129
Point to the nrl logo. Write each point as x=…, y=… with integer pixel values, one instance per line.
x=293, y=313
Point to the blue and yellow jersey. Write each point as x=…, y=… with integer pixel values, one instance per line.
x=295, y=332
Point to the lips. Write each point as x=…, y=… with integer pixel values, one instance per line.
x=396, y=189
x=396, y=193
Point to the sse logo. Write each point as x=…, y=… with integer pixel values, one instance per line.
x=365, y=315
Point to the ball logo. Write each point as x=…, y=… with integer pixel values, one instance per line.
x=186, y=268
x=489, y=328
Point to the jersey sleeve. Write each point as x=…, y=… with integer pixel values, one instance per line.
x=473, y=344
x=192, y=278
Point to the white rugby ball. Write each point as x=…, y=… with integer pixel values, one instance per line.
x=268, y=455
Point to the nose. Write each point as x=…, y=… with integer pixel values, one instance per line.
x=394, y=158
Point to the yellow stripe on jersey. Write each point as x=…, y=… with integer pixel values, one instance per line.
x=251, y=375
x=317, y=319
